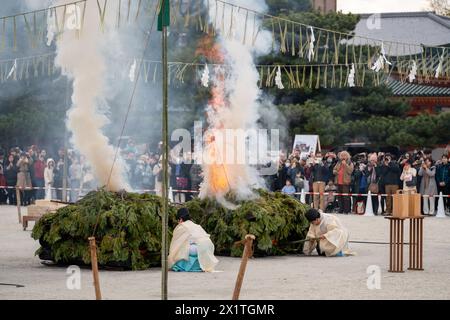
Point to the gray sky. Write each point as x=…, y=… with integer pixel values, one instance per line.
x=373, y=6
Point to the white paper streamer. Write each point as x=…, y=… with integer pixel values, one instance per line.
x=278, y=81
x=14, y=67
x=205, y=76
x=351, y=76
x=132, y=73
x=413, y=72
x=311, y=45
x=51, y=27
x=379, y=64
x=440, y=65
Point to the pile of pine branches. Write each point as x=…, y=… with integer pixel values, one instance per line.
x=127, y=228
x=275, y=219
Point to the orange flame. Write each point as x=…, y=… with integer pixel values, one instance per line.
x=216, y=173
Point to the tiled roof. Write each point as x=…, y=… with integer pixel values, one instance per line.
x=445, y=21
x=416, y=90
x=426, y=28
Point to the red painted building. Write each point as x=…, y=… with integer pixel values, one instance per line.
x=422, y=98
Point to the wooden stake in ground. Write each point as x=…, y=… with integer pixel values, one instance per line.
x=247, y=251
x=18, y=200
x=93, y=247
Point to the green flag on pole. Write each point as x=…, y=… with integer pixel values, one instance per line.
x=164, y=15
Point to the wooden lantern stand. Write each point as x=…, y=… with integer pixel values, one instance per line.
x=416, y=243
x=396, y=243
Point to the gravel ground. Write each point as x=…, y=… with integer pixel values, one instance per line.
x=291, y=277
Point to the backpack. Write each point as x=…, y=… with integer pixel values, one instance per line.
x=360, y=208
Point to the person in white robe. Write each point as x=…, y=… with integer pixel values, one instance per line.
x=326, y=234
x=191, y=249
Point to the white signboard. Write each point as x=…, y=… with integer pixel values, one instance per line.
x=306, y=144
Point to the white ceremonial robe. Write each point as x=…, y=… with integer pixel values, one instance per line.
x=336, y=236
x=186, y=233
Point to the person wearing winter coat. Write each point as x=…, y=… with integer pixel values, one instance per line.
x=428, y=186
x=10, y=172
x=49, y=180
x=24, y=178
x=443, y=180
x=359, y=185
x=320, y=176
x=158, y=174
x=343, y=176
x=390, y=175
x=75, y=176
x=409, y=177
x=38, y=176
x=373, y=175
x=3, y=185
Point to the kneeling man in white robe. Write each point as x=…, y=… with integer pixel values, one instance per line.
x=191, y=249
x=326, y=235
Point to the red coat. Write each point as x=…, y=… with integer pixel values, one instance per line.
x=39, y=167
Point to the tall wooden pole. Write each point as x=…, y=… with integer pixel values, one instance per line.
x=240, y=277
x=94, y=265
x=165, y=162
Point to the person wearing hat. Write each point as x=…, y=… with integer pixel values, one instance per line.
x=191, y=249
x=326, y=234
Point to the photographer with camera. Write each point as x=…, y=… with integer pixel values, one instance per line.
x=10, y=172
x=390, y=175
x=343, y=176
x=24, y=177
x=373, y=175
x=443, y=180
x=409, y=177
x=319, y=176
x=428, y=185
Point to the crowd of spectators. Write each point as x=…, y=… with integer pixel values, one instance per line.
x=322, y=174
x=377, y=172
x=39, y=175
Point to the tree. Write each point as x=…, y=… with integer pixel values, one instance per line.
x=441, y=7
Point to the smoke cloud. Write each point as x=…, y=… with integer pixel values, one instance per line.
x=242, y=94
x=82, y=60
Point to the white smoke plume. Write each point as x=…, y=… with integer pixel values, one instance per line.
x=82, y=60
x=241, y=91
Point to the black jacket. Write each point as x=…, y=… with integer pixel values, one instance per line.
x=390, y=174
x=320, y=173
x=10, y=174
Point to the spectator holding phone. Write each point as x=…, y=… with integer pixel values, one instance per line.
x=428, y=185
x=343, y=177
x=409, y=177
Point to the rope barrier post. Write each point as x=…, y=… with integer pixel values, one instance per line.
x=94, y=264
x=246, y=254
x=441, y=208
x=18, y=200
